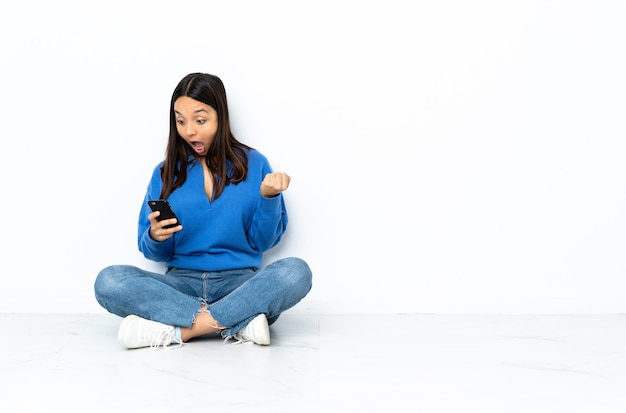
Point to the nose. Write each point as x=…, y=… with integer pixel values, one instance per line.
x=190, y=130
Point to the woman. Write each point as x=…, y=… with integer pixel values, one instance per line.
x=231, y=210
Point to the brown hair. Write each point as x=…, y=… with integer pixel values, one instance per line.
x=226, y=157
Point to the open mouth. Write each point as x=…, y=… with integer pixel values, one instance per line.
x=198, y=147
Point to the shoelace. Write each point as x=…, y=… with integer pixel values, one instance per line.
x=161, y=338
x=238, y=338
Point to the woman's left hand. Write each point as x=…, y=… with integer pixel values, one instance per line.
x=274, y=183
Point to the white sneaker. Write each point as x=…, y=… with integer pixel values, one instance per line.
x=137, y=332
x=257, y=331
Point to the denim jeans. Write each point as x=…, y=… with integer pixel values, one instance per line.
x=233, y=297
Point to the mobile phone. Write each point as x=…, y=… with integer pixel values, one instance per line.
x=165, y=209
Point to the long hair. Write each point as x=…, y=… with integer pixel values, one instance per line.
x=226, y=158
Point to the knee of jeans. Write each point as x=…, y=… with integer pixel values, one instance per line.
x=105, y=281
x=301, y=273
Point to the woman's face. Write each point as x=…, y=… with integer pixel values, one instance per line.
x=196, y=123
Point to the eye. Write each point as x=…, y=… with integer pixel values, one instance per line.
x=180, y=121
x=201, y=121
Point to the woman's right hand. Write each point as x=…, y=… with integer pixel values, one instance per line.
x=157, y=230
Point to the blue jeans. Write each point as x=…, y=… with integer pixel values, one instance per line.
x=233, y=297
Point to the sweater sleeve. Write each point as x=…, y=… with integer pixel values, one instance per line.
x=150, y=248
x=268, y=223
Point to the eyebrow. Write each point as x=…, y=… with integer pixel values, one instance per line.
x=195, y=111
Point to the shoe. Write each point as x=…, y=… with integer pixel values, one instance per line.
x=257, y=331
x=137, y=332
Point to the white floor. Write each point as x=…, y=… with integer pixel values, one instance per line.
x=323, y=363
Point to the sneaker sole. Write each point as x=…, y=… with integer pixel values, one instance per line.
x=120, y=333
x=261, y=330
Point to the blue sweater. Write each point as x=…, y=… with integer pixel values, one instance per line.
x=229, y=232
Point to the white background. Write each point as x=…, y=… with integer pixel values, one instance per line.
x=446, y=156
